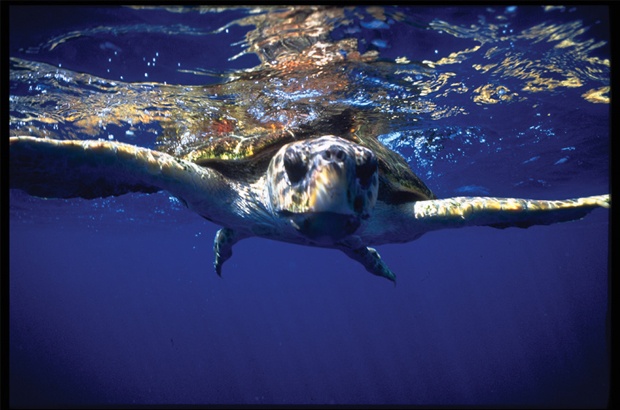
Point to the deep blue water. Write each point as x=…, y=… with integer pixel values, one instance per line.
x=114, y=301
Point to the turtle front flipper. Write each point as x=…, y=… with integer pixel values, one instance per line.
x=68, y=169
x=498, y=212
x=92, y=169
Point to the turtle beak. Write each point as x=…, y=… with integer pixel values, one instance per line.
x=330, y=191
x=343, y=183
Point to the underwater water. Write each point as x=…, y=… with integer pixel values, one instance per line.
x=114, y=301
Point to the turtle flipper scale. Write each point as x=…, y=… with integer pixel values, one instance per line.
x=501, y=212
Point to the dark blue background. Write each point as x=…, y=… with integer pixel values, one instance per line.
x=116, y=302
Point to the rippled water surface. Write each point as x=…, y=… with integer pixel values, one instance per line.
x=114, y=300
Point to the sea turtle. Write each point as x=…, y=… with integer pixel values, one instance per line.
x=345, y=191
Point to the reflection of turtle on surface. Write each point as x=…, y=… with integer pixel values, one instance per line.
x=346, y=192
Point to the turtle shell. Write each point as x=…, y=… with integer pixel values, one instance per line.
x=246, y=158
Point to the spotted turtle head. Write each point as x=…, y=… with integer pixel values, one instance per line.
x=323, y=187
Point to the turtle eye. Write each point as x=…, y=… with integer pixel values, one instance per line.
x=294, y=166
x=366, y=170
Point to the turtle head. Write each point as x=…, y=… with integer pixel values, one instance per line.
x=323, y=187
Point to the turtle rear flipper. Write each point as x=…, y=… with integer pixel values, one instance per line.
x=370, y=259
x=93, y=169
